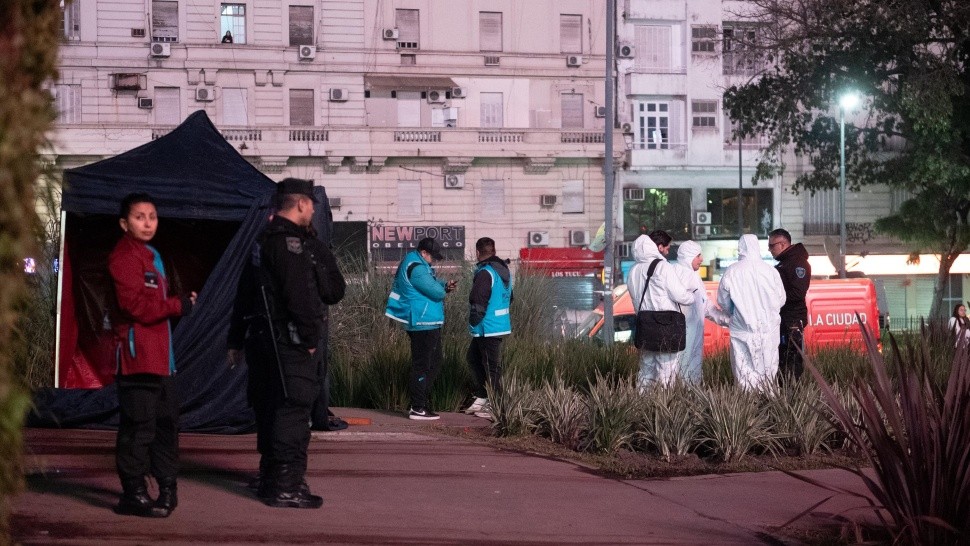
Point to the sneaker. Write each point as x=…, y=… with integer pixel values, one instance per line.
x=422, y=414
x=486, y=412
x=478, y=405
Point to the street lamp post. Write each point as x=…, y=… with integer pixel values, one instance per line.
x=846, y=101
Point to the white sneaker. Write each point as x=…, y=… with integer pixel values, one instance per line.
x=485, y=412
x=478, y=405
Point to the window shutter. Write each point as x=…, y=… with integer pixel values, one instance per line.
x=165, y=21
x=490, y=30
x=409, y=197
x=301, y=107
x=408, y=109
x=653, y=47
x=234, y=106
x=571, y=33
x=168, y=108
x=71, y=20
x=301, y=25
x=677, y=122
x=407, y=23
x=572, y=110
x=572, y=196
x=493, y=198
x=492, y=110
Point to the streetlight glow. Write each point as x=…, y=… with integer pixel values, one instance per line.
x=849, y=100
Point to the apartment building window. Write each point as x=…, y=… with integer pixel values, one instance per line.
x=67, y=103
x=232, y=18
x=168, y=106
x=493, y=198
x=165, y=21
x=740, y=54
x=755, y=211
x=407, y=22
x=492, y=110
x=71, y=20
x=409, y=109
x=821, y=213
x=572, y=110
x=490, y=30
x=571, y=33
x=652, y=129
x=703, y=39
x=301, y=107
x=234, y=110
x=703, y=114
x=653, y=47
x=573, y=197
x=301, y=25
x=666, y=209
x=409, y=198
x=730, y=141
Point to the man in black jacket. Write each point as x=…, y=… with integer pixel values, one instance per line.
x=796, y=275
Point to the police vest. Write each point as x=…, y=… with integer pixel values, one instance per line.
x=409, y=306
x=497, y=321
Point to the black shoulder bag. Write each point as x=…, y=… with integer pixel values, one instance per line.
x=659, y=331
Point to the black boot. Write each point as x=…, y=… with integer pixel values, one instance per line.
x=291, y=491
x=136, y=502
x=167, y=494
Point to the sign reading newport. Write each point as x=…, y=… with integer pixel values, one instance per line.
x=391, y=243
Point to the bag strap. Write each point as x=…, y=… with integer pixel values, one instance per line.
x=653, y=266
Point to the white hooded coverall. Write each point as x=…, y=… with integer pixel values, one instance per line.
x=752, y=294
x=691, y=360
x=665, y=293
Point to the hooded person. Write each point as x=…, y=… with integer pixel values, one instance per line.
x=752, y=294
x=689, y=259
x=666, y=292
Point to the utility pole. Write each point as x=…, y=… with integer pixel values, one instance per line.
x=609, y=174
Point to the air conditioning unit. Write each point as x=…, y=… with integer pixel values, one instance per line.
x=458, y=93
x=578, y=237
x=161, y=49
x=391, y=34
x=574, y=60
x=338, y=95
x=307, y=52
x=634, y=194
x=702, y=217
x=624, y=250
x=627, y=127
x=334, y=202
x=492, y=60
x=702, y=231
x=538, y=238
x=454, y=181
x=625, y=51
x=436, y=97
x=145, y=103
x=205, y=94
x=599, y=111
x=547, y=200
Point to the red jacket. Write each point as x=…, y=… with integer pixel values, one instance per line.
x=144, y=308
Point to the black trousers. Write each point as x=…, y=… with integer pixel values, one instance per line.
x=426, y=356
x=148, y=428
x=485, y=360
x=790, y=348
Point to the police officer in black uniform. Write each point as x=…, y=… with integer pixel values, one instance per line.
x=291, y=279
x=796, y=276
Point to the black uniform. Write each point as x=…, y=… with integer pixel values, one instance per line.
x=796, y=275
x=298, y=276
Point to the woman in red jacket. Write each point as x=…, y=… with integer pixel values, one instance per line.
x=148, y=427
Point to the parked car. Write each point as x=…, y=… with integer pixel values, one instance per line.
x=835, y=308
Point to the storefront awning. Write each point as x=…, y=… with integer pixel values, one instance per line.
x=408, y=82
x=562, y=262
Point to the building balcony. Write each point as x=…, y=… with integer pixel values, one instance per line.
x=340, y=141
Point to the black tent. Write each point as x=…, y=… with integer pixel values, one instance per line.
x=212, y=203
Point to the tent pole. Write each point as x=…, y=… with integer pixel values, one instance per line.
x=60, y=293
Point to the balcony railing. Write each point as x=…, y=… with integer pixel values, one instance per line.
x=581, y=137
x=500, y=136
x=242, y=134
x=309, y=135
x=417, y=136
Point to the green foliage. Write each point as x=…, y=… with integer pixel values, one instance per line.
x=908, y=61
x=669, y=422
x=513, y=406
x=733, y=423
x=799, y=418
x=612, y=405
x=561, y=413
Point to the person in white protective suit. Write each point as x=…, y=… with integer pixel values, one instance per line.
x=752, y=294
x=689, y=258
x=666, y=292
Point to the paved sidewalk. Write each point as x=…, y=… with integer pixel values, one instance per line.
x=397, y=482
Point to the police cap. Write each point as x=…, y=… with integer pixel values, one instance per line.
x=296, y=186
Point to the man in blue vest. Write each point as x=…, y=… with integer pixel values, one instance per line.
x=417, y=302
x=489, y=322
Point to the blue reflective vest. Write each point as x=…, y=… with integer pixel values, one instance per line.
x=407, y=305
x=497, y=321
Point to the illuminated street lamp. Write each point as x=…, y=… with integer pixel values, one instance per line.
x=846, y=101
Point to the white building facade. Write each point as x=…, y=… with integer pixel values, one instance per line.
x=420, y=117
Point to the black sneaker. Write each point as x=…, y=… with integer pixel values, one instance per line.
x=422, y=414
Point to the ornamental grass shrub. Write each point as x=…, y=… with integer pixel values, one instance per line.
x=733, y=423
x=668, y=421
x=914, y=431
x=799, y=418
x=561, y=413
x=613, y=405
